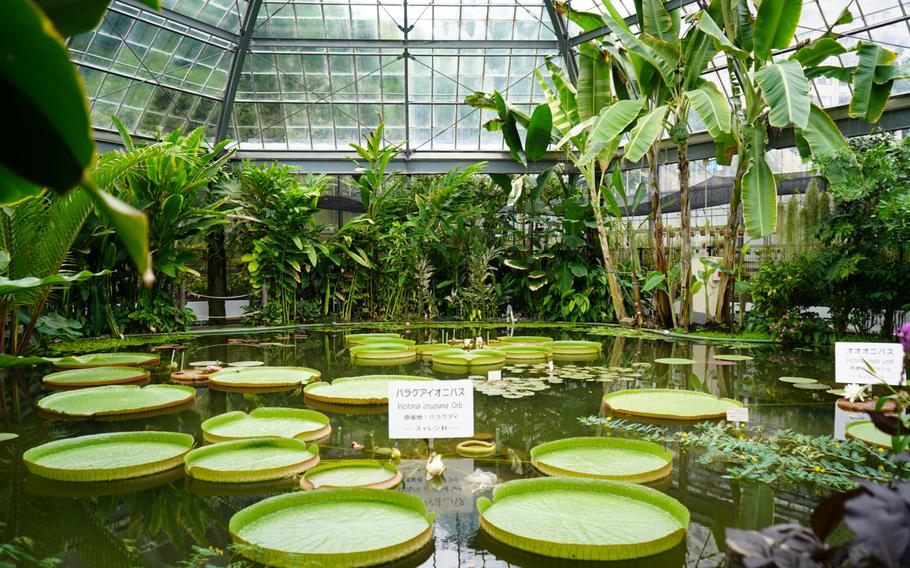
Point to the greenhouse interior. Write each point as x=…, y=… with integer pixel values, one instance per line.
x=455, y=284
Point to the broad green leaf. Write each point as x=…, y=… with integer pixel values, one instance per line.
x=72, y=17
x=878, y=100
x=561, y=121
x=654, y=280
x=707, y=24
x=509, y=130
x=786, y=91
x=587, y=21
x=775, y=25
x=131, y=226
x=885, y=73
x=822, y=135
x=816, y=52
x=844, y=18
x=744, y=25
x=565, y=89
x=842, y=74
x=612, y=122
x=639, y=48
x=8, y=286
x=657, y=21
x=759, y=189
x=593, y=80
x=712, y=107
x=48, y=139
x=538, y=135
x=647, y=131
x=575, y=131
x=516, y=264
x=14, y=189
x=518, y=184
x=869, y=57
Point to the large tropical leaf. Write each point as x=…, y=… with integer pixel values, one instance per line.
x=865, y=103
x=666, y=67
x=561, y=121
x=509, y=129
x=775, y=25
x=657, y=21
x=759, y=189
x=538, y=136
x=612, y=122
x=822, y=135
x=816, y=52
x=594, y=90
x=711, y=106
x=707, y=24
x=647, y=131
x=8, y=286
x=786, y=91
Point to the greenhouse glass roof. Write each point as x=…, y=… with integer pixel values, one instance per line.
x=293, y=77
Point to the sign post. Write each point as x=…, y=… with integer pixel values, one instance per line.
x=852, y=363
x=427, y=410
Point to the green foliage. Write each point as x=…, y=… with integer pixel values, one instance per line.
x=781, y=457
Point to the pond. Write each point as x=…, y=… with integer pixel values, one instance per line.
x=158, y=521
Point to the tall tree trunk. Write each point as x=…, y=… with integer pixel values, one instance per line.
x=216, y=273
x=662, y=308
x=722, y=311
x=619, y=307
x=685, y=254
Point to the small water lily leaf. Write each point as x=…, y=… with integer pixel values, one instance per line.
x=675, y=361
x=798, y=380
x=732, y=357
x=866, y=431
x=7, y=436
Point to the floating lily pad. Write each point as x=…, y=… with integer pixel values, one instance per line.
x=352, y=473
x=205, y=363
x=675, y=361
x=356, y=338
x=106, y=457
x=363, y=390
x=95, y=376
x=427, y=350
x=531, y=353
x=246, y=461
x=246, y=364
x=116, y=400
x=670, y=404
x=264, y=422
x=37, y=485
x=386, y=341
x=732, y=357
x=811, y=386
x=475, y=449
x=837, y=392
x=467, y=360
x=583, y=519
x=7, y=436
x=264, y=377
x=635, y=461
x=374, y=527
x=107, y=360
x=866, y=431
x=575, y=347
x=191, y=377
x=526, y=339
x=383, y=354
x=798, y=380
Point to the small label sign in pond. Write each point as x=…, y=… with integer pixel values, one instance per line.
x=738, y=414
x=852, y=362
x=443, y=409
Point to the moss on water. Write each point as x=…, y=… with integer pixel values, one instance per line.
x=91, y=345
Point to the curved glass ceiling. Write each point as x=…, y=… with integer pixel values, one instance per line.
x=316, y=75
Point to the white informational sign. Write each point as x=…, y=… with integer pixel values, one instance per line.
x=431, y=409
x=494, y=375
x=850, y=362
x=738, y=414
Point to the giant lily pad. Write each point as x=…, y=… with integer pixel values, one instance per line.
x=264, y=422
x=525, y=339
x=575, y=347
x=383, y=354
x=467, y=360
x=247, y=461
x=116, y=400
x=351, y=473
x=341, y=528
x=107, y=360
x=583, y=519
x=107, y=457
x=263, y=377
x=366, y=389
x=357, y=338
x=95, y=376
x=732, y=357
x=866, y=431
x=526, y=353
x=675, y=361
x=635, y=461
x=427, y=350
x=798, y=380
x=375, y=340
x=670, y=404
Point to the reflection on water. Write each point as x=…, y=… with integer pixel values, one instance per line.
x=157, y=521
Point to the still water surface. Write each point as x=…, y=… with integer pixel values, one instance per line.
x=159, y=521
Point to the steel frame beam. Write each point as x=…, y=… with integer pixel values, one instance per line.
x=561, y=29
x=179, y=18
x=230, y=91
x=262, y=44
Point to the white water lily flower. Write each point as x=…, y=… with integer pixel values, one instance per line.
x=855, y=393
x=435, y=466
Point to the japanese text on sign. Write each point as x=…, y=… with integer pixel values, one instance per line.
x=420, y=409
x=852, y=362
